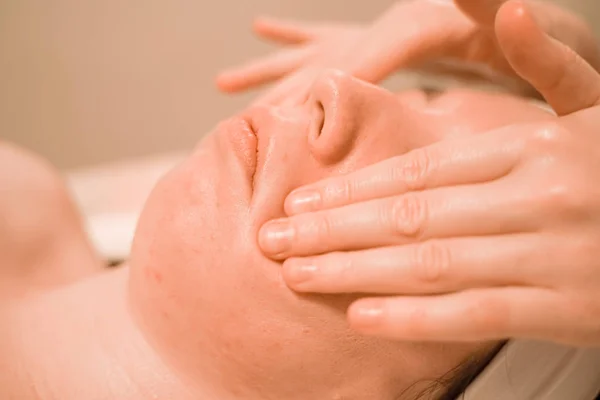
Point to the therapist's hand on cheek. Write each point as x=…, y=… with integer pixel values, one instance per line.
x=491, y=236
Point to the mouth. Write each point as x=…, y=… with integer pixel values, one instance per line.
x=244, y=142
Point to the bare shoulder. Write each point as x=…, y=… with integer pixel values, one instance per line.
x=42, y=240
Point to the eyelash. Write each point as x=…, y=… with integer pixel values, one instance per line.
x=432, y=92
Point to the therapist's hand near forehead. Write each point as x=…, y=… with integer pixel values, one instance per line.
x=487, y=237
x=409, y=34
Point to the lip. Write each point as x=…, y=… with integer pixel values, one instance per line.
x=244, y=143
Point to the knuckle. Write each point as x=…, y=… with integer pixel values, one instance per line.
x=559, y=195
x=547, y=137
x=323, y=228
x=407, y=216
x=564, y=198
x=347, y=191
x=432, y=262
x=339, y=271
x=337, y=192
x=414, y=170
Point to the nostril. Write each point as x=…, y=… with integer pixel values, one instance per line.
x=331, y=129
x=317, y=120
x=332, y=109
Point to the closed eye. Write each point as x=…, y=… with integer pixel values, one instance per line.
x=432, y=93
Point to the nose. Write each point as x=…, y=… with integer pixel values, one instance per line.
x=349, y=116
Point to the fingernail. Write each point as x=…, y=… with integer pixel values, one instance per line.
x=276, y=237
x=302, y=201
x=367, y=314
x=300, y=272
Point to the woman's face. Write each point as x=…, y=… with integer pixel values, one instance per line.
x=218, y=310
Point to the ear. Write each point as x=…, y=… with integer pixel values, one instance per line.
x=559, y=74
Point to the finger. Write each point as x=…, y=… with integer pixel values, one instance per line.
x=481, y=11
x=461, y=161
x=284, y=31
x=473, y=315
x=469, y=210
x=565, y=80
x=263, y=70
x=431, y=267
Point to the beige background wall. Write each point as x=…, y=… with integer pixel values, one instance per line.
x=87, y=81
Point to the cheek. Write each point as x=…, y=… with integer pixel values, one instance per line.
x=187, y=247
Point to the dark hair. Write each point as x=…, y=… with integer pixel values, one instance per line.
x=454, y=383
x=462, y=376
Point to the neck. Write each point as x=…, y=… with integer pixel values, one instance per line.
x=79, y=342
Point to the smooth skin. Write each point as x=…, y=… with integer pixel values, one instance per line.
x=43, y=243
x=410, y=33
x=198, y=311
x=491, y=236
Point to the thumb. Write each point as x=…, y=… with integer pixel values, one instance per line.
x=559, y=74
